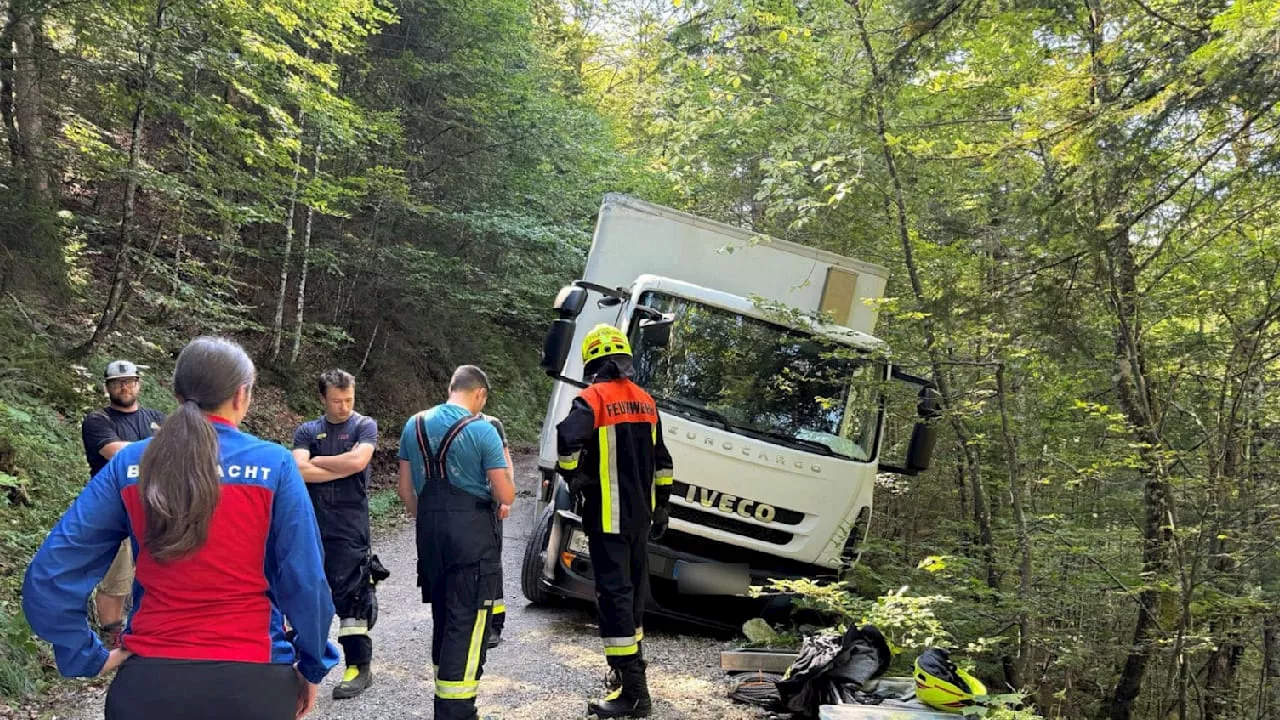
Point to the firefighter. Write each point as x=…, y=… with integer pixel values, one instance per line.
x=333, y=452
x=611, y=452
x=454, y=482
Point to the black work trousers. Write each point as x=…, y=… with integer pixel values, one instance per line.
x=161, y=689
x=620, y=564
x=342, y=514
x=458, y=565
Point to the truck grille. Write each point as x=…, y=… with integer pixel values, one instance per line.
x=692, y=495
x=722, y=522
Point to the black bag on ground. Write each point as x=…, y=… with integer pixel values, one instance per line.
x=831, y=670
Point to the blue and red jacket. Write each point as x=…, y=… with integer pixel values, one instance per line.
x=227, y=601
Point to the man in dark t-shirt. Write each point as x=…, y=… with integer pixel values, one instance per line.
x=124, y=421
x=333, y=453
x=104, y=433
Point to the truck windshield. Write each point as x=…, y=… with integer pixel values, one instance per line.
x=761, y=379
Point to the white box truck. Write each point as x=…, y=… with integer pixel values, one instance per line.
x=774, y=419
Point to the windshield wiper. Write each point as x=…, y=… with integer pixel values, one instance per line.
x=817, y=447
x=696, y=408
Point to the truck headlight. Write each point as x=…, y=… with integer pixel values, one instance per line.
x=578, y=542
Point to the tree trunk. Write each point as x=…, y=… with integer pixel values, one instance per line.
x=28, y=100
x=1135, y=665
x=369, y=347
x=973, y=460
x=1270, y=695
x=1224, y=664
x=1017, y=505
x=306, y=257
x=1269, y=578
x=123, y=306
x=277, y=322
x=6, y=98
x=179, y=242
x=120, y=274
x=1133, y=388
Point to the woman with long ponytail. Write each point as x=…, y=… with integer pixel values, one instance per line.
x=226, y=547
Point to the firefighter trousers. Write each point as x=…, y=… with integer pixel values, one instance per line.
x=342, y=514
x=620, y=564
x=458, y=566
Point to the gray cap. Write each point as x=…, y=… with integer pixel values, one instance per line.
x=120, y=369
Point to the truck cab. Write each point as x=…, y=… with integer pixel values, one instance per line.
x=773, y=414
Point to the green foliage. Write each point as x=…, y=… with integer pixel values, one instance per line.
x=416, y=157
x=21, y=657
x=1087, y=194
x=908, y=621
x=42, y=468
x=30, y=241
x=385, y=508
x=1077, y=203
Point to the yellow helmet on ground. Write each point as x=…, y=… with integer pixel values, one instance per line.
x=604, y=340
x=943, y=686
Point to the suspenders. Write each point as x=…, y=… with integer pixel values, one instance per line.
x=435, y=462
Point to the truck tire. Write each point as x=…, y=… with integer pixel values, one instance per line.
x=531, y=570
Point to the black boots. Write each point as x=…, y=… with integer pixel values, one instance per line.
x=355, y=680
x=497, y=621
x=630, y=700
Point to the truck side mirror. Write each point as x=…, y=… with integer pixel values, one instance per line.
x=557, y=344
x=929, y=403
x=924, y=431
x=655, y=326
x=920, y=452
x=924, y=435
x=570, y=301
x=656, y=333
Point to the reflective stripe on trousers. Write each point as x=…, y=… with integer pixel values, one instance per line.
x=468, y=686
x=352, y=626
x=621, y=646
x=610, y=498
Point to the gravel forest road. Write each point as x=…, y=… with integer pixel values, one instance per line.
x=549, y=664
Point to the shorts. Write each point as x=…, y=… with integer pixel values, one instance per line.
x=119, y=578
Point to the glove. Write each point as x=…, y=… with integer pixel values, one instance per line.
x=661, y=516
x=578, y=482
x=377, y=571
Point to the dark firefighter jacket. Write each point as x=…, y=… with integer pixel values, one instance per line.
x=611, y=450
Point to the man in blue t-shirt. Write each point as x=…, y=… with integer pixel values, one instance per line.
x=333, y=452
x=453, y=480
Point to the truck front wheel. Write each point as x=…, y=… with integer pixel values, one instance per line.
x=531, y=570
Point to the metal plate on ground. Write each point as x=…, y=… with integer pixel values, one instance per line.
x=879, y=712
x=751, y=659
